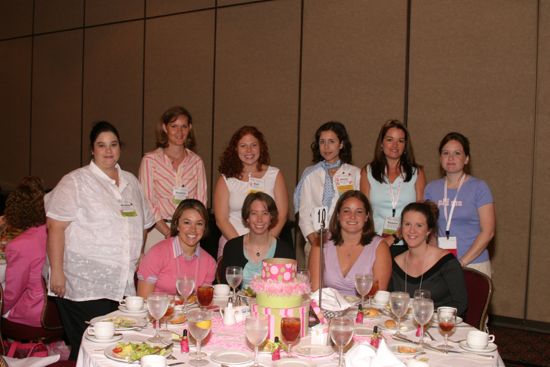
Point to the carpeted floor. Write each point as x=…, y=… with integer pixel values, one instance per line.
x=522, y=348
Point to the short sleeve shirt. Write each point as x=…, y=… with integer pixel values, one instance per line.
x=102, y=246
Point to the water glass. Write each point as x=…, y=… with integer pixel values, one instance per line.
x=422, y=293
x=157, y=303
x=399, y=303
x=290, y=331
x=256, y=332
x=423, y=310
x=200, y=323
x=185, y=286
x=234, y=276
x=363, y=284
x=341, y=332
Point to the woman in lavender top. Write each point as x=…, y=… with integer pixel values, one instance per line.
x=466, y=208
x=354, y=247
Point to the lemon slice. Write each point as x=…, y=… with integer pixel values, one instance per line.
x=205, y=324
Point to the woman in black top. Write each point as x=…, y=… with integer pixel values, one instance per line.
x=424, y=265
x=259, y=215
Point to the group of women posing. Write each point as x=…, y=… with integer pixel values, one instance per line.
x=99, y=216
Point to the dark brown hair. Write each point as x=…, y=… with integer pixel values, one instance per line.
x=171, y=115
x=25, y=205
x=265, y=198
x=340, y=130
x=407, y=162
x=368, y=228
x=183, y=206
x=230, y=164
x=429, y=210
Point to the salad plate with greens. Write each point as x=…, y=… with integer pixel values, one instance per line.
x=131, y=352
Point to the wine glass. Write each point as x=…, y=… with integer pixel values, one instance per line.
x=157, y=303
x=205, y=294
x=256, y=332
x=341, y=332
x=363, y=284
x=290, y=331
x=446, y=317
x=164, y=332
x=422, y=293
x=423, y=310
x=185, y=286
x=372, y=291
x=303, y=276
x=234, y=276
x=200, y=323
x=399, y=303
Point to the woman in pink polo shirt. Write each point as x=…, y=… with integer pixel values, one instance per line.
x=178, y=255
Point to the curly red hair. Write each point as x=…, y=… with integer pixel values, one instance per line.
x=230, y=164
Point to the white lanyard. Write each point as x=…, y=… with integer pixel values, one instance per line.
x=449, y=217
x=394, y=198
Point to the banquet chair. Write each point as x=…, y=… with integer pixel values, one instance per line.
x=219, y=276
x=479, y=288
x=51, y=328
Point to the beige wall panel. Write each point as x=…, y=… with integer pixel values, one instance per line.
x=15, y=18
x=538, y=296
x=353, y=70
x=106, y=11
x=163, y=7
x=257, y=74
x=113, y=85
x=15, y=97
x=179, y=71
x=55, y=15
x=473, y=70
x=56, y=107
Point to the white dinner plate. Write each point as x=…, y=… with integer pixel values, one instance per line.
x=491, y=347
x=92, y=338
x=122, y=322
x=399, y=350
x=123, y=309
x=109, y=354
x=231, y=357
x=292, y=362
x=309, y=350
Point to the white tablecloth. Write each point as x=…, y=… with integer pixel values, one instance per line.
x=91, y=354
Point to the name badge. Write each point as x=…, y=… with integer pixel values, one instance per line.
x=391, y=225
x=255, y=184
x=320, y=215
x=127, y=209
x=344, y=182
x=448, y=244
x=179, y=194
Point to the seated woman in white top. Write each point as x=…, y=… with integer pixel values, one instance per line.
x=244, y=168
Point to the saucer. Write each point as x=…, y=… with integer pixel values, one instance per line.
x=123, y=308
x=231, y=357
x=92, y=338
x=491, y=347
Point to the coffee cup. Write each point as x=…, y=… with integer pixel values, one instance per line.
x=221, y=290
x=381, y=297
x=477, y=339
x=133, y=303
x=102, y=330
x=153, y=360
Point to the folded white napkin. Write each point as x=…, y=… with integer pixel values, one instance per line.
x=32, y=361
x=364, y=355
x=332, y=300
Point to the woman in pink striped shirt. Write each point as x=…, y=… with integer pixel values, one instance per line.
x=172, y=172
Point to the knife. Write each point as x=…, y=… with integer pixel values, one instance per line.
x=429, y=347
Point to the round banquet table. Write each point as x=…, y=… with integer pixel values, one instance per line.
x=224, y=338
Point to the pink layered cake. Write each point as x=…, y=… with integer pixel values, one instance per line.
x=280, y=294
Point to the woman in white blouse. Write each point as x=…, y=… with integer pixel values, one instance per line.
x=96, y=219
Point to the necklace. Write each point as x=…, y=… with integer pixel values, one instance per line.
x=258, y=251
x=422, y=269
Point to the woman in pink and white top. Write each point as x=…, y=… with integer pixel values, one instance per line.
x=179, y=255
x=172, y=172
x=244, y=168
